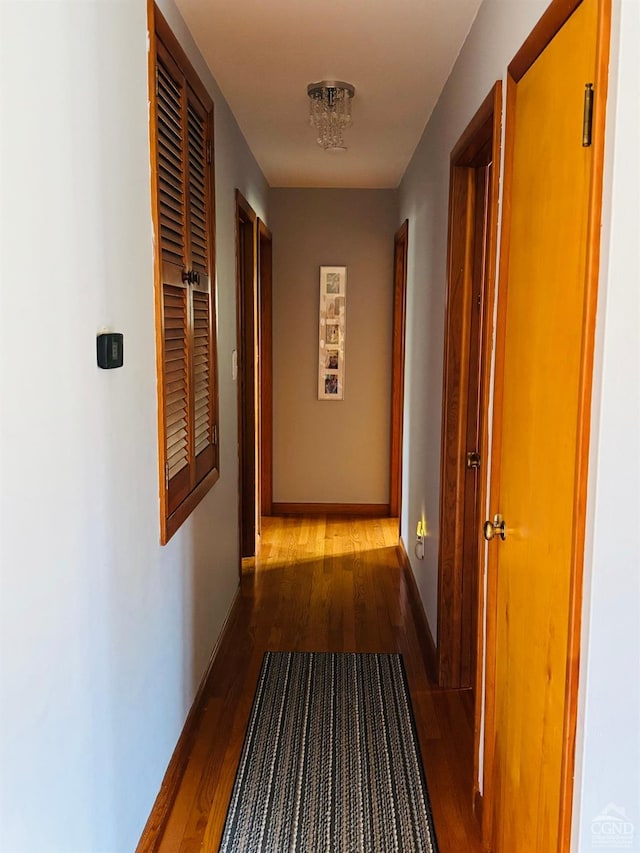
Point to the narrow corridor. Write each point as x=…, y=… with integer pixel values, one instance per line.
x=322, y=584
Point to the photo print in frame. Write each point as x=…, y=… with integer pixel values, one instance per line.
x=333, y=307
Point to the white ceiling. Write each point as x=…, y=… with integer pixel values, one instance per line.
x=397, y=54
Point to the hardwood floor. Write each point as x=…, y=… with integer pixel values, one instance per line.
x=322, y=584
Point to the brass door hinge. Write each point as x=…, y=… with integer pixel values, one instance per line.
x=209, y=152
x=587, y=115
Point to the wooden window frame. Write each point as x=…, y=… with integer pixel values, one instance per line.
x=163, y=42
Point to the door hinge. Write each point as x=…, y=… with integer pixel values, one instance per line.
x=209, y=152
x=587, y=115
x=157, y=82
x=215, y=435
x=166, y=475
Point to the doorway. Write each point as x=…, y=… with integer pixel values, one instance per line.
x=265, y=360
x=400, y=249
x=247, y=375
x=473, y=216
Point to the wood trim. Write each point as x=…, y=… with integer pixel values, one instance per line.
x=472, y=147
x=184, y=510
x=496, y=441
x=584, y=423
x=397, y=366
x=486, y=375
x=265, y=311
x=556, y=15
x=478, y=130
x=425, y=637
x=157, y=821
x=312, y=509
x=549, y=25
x=153, y=18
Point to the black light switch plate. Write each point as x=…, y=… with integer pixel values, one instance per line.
x=110, y=350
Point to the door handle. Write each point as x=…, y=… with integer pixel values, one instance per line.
x=494, y=528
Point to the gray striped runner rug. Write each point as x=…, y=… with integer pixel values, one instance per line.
x=331, y=761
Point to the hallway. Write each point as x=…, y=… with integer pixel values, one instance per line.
x=322, y=584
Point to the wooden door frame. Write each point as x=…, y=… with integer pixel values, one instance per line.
x=265, y=358
x=484, y=127
x=400, y=251
x=245, y=217
x=547, y=27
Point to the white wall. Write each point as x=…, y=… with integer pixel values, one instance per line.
x=608, y=751
x=105, y=634
x=332, y=451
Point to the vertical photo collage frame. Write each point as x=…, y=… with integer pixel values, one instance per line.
x=333, y=313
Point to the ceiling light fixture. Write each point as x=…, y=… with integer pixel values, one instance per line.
x=330, y=111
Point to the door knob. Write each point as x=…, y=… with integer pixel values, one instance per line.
x=494, y=528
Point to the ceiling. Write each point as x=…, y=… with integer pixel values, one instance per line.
x=397, y=54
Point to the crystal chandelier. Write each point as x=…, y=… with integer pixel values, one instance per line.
x=330, y=111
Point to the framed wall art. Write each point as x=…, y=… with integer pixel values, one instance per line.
x=333, y=306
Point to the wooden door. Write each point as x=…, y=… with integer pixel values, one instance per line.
x=246, y=295
x=400, y=250
x=265, y=358
x=474, y=495
x=545, y=337
x=471, y=249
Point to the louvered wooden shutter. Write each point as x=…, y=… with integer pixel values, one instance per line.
x=184, y=184
x=199, y=229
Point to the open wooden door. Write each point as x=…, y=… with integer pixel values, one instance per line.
x=400, y=251
x=543, y=380
x=247, y=320
x=473, y=221
x=265, y=358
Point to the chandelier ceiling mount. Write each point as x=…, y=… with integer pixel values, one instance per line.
x=330, y=112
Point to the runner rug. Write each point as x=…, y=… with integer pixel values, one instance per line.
x=331, y=762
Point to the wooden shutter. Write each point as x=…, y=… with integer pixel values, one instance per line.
x=199, y=230
x=183, y=170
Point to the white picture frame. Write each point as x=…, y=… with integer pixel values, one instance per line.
x=332, y=332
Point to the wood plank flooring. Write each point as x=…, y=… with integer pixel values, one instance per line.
x=322, y=584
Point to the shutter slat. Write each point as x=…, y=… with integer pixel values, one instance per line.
x=173, y=199
x=176, y=386
x=171, y=183
x=198, y=170
x=170, y=216
x=201, y=373
x=176, y=421
x=171, y=178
